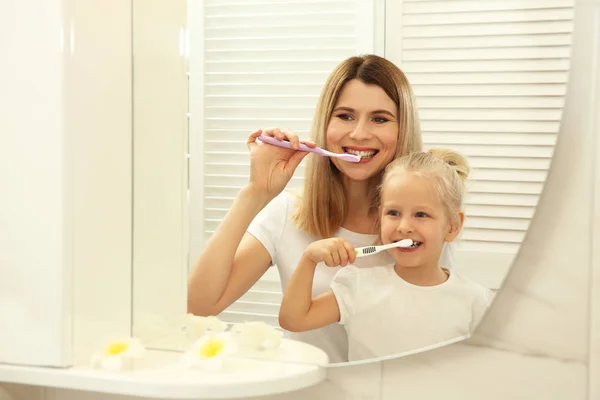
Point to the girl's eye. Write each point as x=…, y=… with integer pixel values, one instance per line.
x=393, y=213
x=421, y=215
x=380, y=120
x=345, y=117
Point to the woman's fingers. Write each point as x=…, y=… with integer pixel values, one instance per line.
x=252, y=138
x=309, y=143
x=284, y=134
x=292, y=138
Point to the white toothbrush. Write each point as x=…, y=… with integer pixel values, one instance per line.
x=370, y=250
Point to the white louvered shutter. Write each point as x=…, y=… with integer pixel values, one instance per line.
x=490, y=78
x=258, y=64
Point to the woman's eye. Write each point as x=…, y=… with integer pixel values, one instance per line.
x=345, y=117
x=421, y=215
x=380, y=120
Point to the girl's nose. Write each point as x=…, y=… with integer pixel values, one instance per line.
x=404, y=226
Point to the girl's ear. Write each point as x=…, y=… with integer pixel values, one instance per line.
x=455, y=228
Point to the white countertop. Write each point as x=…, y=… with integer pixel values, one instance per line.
x=161, y=375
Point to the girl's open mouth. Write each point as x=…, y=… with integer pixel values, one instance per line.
x=415, y=245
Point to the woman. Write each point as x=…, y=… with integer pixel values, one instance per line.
x=366, y=107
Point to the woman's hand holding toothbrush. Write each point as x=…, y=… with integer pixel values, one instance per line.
x=271, y=168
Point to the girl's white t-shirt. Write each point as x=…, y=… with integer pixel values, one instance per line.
x=274, y=228
x=415, y=317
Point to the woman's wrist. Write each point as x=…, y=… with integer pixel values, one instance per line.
x=255, y=198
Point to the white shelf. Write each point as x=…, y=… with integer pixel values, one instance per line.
x=160, y=375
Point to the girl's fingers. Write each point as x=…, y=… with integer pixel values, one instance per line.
x=343, y=254
x=328, y=260
x=335, y=255
x=351, y=251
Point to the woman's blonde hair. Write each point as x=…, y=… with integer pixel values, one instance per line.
x=446, y=169
x=323, y=207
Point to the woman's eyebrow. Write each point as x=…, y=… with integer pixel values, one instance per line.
x=384, y=112
x=348, y=109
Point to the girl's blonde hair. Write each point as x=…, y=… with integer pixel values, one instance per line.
x=446, y=169
x=323, y=206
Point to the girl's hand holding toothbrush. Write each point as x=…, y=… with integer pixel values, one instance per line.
x=333, y=252
x=271, y=168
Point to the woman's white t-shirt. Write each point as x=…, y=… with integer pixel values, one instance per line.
x=274, y=228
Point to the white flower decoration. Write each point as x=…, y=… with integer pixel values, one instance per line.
x=118, y=354
x=257, y=335
x=208, y=352
x=198, y=326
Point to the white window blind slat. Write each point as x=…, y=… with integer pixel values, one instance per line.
x=497, y=41
x=493, y=138
x=299, y=18
x=276, y=30
x=539, y=102
x=499, y=90
x=499, y=53
x=541, y=65
x=476, y=29
x=269, y=65
x=431, y=16
x=283, y=7
x=431, y=125
x=469, y=6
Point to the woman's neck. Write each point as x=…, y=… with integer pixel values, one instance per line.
x=431, y=275
x=360, y=216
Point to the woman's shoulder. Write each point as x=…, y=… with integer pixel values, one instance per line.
x=282, y=203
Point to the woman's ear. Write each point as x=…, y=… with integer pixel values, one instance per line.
x=455, y=228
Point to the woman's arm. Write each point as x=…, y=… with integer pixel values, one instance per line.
x=233, y=260
x=299, y=311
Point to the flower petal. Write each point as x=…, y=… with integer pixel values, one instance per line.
x=113, y=363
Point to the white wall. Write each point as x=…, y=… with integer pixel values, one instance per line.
x=160, y=165
x=65, y=176
x=36, y=187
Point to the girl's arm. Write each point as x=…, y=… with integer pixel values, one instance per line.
x=299, y=311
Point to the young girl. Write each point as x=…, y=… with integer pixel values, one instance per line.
x=415, y=301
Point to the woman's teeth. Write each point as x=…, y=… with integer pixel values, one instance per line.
x=361, y=153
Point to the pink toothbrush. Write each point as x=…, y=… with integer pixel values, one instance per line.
x=303, y=147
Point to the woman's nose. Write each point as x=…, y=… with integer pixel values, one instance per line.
x=361, y=131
